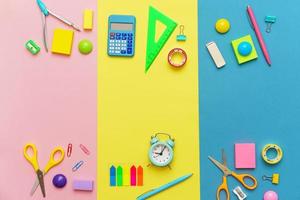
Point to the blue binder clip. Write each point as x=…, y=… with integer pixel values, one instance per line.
x=270, y=20
x=181, y=36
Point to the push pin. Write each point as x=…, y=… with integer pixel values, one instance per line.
x=270, y=20
x=181, y=36
x=274, y=179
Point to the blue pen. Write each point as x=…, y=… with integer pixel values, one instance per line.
x=163, y=187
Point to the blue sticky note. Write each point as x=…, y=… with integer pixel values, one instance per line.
x=112, y=176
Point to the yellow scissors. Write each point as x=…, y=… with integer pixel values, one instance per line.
x=227, y=172
x=32, y=159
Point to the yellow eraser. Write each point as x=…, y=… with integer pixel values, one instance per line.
x=88, y=19
x=62, y=41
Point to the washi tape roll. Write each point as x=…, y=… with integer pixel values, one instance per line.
x=177, y=57
x=278, y=157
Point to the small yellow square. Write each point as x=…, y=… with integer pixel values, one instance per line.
x=62, y=41
x=242, y=59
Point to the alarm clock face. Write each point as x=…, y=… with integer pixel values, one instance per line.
x=161, y=154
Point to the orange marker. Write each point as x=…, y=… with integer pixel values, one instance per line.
x=139, y=176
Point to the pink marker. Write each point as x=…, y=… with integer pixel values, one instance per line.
x=258, y=34
x=133, y=176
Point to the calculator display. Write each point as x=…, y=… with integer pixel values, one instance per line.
x=121, y=26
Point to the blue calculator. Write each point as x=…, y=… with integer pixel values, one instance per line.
x=121, y=35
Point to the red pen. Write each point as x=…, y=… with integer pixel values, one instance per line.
x=258, y=35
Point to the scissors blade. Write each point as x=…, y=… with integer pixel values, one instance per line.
x=35, y=185
x=224, y=158
x=40, y=176
x=223, y=168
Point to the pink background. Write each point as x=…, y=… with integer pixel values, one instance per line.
x=45, y=99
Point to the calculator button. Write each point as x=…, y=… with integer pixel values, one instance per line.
x=124, y=34
x=129, y=50
x=112, y=34
x=123, y=52
x=117, y=51
x=112, y=37
x=118, y=38
x=129, y=38
x=130, y=34
x=129, y=41
x=118, y=41
x=123, y=38
x=123, y=48
x=129, y=45
x=118, y=34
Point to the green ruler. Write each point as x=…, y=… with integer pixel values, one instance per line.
x=153, y=48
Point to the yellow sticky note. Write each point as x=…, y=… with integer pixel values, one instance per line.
x=88, y=19
x=62, y=41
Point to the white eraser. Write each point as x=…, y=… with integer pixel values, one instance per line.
x=216, y=54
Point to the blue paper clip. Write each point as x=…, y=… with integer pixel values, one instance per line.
x=270, y=20
x=77, y=166
x=181, y=36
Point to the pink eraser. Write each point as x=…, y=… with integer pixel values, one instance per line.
x=245, y=156
x=83, y=185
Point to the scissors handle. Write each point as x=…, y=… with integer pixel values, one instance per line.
x=55, y=161
x=223, y=187
x=242, y=179
x=32, y=159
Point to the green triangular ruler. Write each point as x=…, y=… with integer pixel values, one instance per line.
x=153, y=48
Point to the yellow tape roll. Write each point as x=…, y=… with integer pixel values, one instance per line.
x=275, y=160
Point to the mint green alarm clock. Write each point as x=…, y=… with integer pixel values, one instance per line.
x=161, y=152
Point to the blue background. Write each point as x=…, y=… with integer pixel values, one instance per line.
x=250, y=102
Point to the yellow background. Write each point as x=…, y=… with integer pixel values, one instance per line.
x=132, y=105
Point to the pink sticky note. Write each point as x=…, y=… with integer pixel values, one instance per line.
x=245, y=156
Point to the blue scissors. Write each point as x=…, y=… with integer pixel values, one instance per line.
x=46, y=12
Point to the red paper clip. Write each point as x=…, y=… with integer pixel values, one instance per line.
x=84, y=149
x=69, y=151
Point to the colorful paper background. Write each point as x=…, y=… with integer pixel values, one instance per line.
x=133, y=106
x=46, y=99
x=250, y=102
